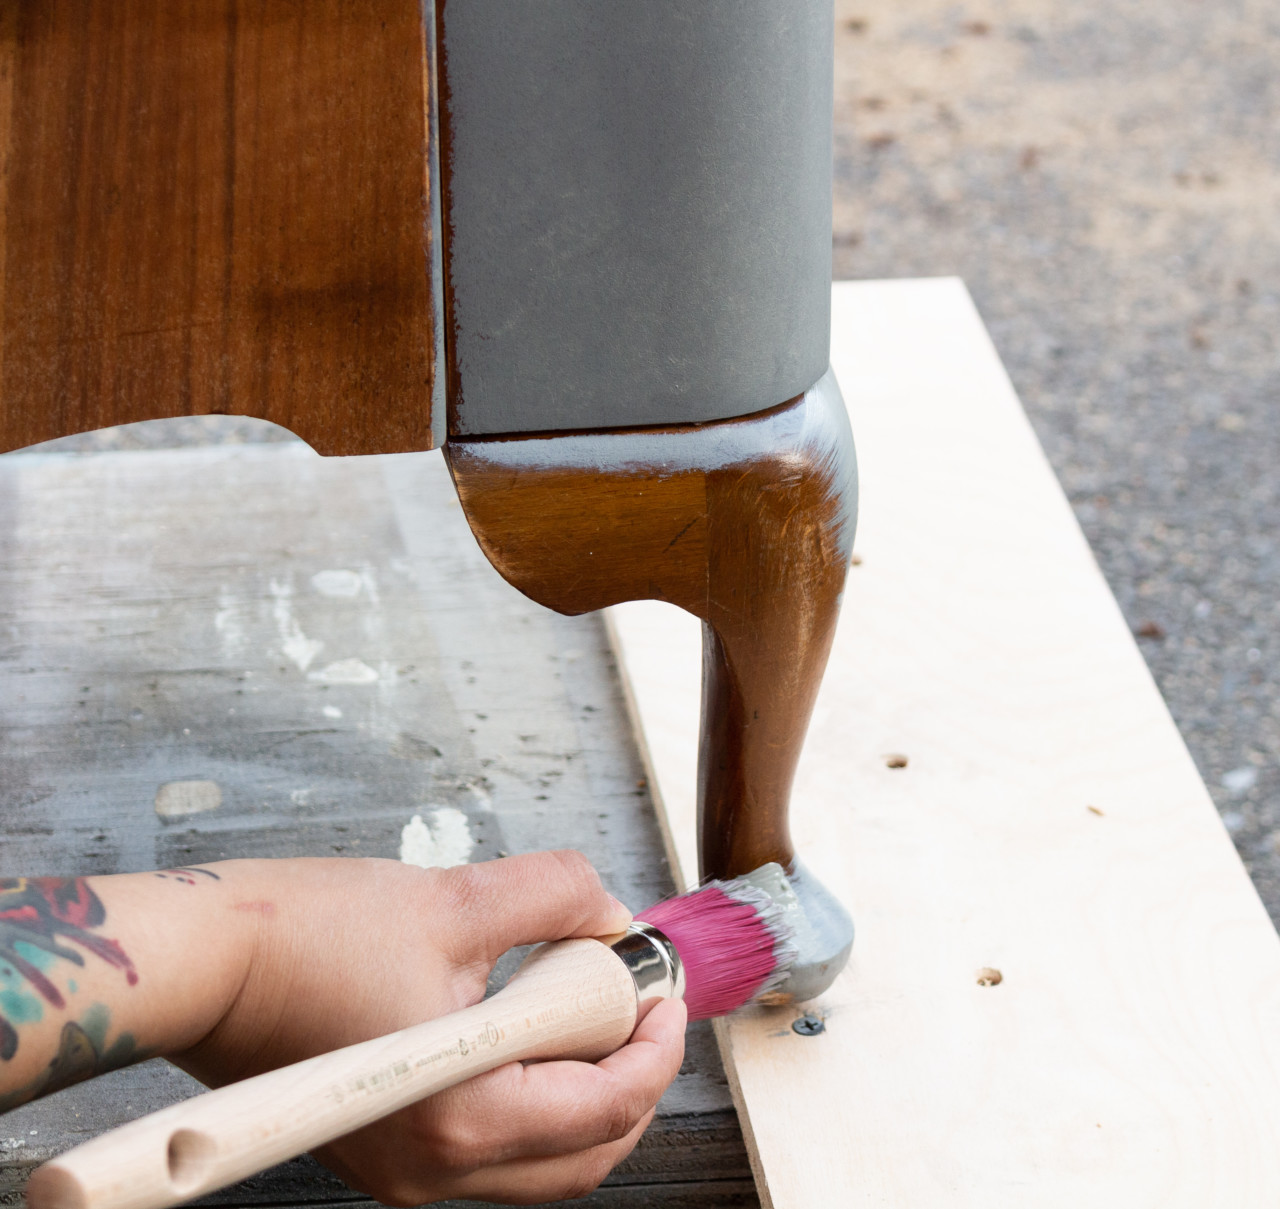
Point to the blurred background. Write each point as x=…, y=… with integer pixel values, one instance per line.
x=1106, y=179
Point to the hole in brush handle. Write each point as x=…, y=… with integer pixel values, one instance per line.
x=190, y=1159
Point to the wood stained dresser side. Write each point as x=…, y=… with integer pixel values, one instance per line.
x=216, y=207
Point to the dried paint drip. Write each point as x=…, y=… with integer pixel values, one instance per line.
x=440, y=841
x=337, y=583
x=294, y=644
x=345, y=671
x=178, y=798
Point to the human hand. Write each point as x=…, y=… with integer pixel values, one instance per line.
x=343, y=950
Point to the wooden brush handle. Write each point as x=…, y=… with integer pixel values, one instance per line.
x=571, y=999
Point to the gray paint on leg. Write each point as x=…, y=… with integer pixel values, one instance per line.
x=824, y=938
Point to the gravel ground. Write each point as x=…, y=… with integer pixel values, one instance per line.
x=1105, y=178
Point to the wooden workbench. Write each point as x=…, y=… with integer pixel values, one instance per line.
x=323, y=641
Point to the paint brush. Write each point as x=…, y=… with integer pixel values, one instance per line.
x=718, y=947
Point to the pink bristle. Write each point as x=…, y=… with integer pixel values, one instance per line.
x=731, y=941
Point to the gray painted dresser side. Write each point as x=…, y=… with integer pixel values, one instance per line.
x=637, y=208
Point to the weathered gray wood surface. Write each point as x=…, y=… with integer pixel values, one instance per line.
x=160, y=621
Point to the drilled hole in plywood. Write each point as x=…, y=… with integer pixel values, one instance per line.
x=989, y=976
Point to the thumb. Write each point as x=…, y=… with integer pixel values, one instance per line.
x=521, y=900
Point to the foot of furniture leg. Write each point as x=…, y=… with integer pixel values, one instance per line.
x=824, y=938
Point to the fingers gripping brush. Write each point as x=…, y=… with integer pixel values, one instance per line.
x=719, y=947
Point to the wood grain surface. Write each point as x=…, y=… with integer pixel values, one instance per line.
x=147, y=600
x=991, y=783
x=216, y=207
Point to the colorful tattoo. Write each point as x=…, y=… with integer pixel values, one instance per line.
x=184, y=874
x=34, y=914
x=82, y=1053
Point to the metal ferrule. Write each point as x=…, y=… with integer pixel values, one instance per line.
x=652, y=961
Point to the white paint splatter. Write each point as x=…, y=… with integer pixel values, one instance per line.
x=441, y=842
x=294, y=644
x=331, y=711
x=299, y=797
x=345, y=671
x=337, y=583
x=228, y=624
x=177, y=798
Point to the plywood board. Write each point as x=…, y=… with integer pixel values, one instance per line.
x=1049, y=823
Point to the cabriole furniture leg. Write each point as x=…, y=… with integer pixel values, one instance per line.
x=747, y=524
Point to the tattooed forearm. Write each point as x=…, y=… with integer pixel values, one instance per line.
x=82, y=1053
x=35, y=915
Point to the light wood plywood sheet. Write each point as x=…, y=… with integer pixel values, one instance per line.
x=1049, y=824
